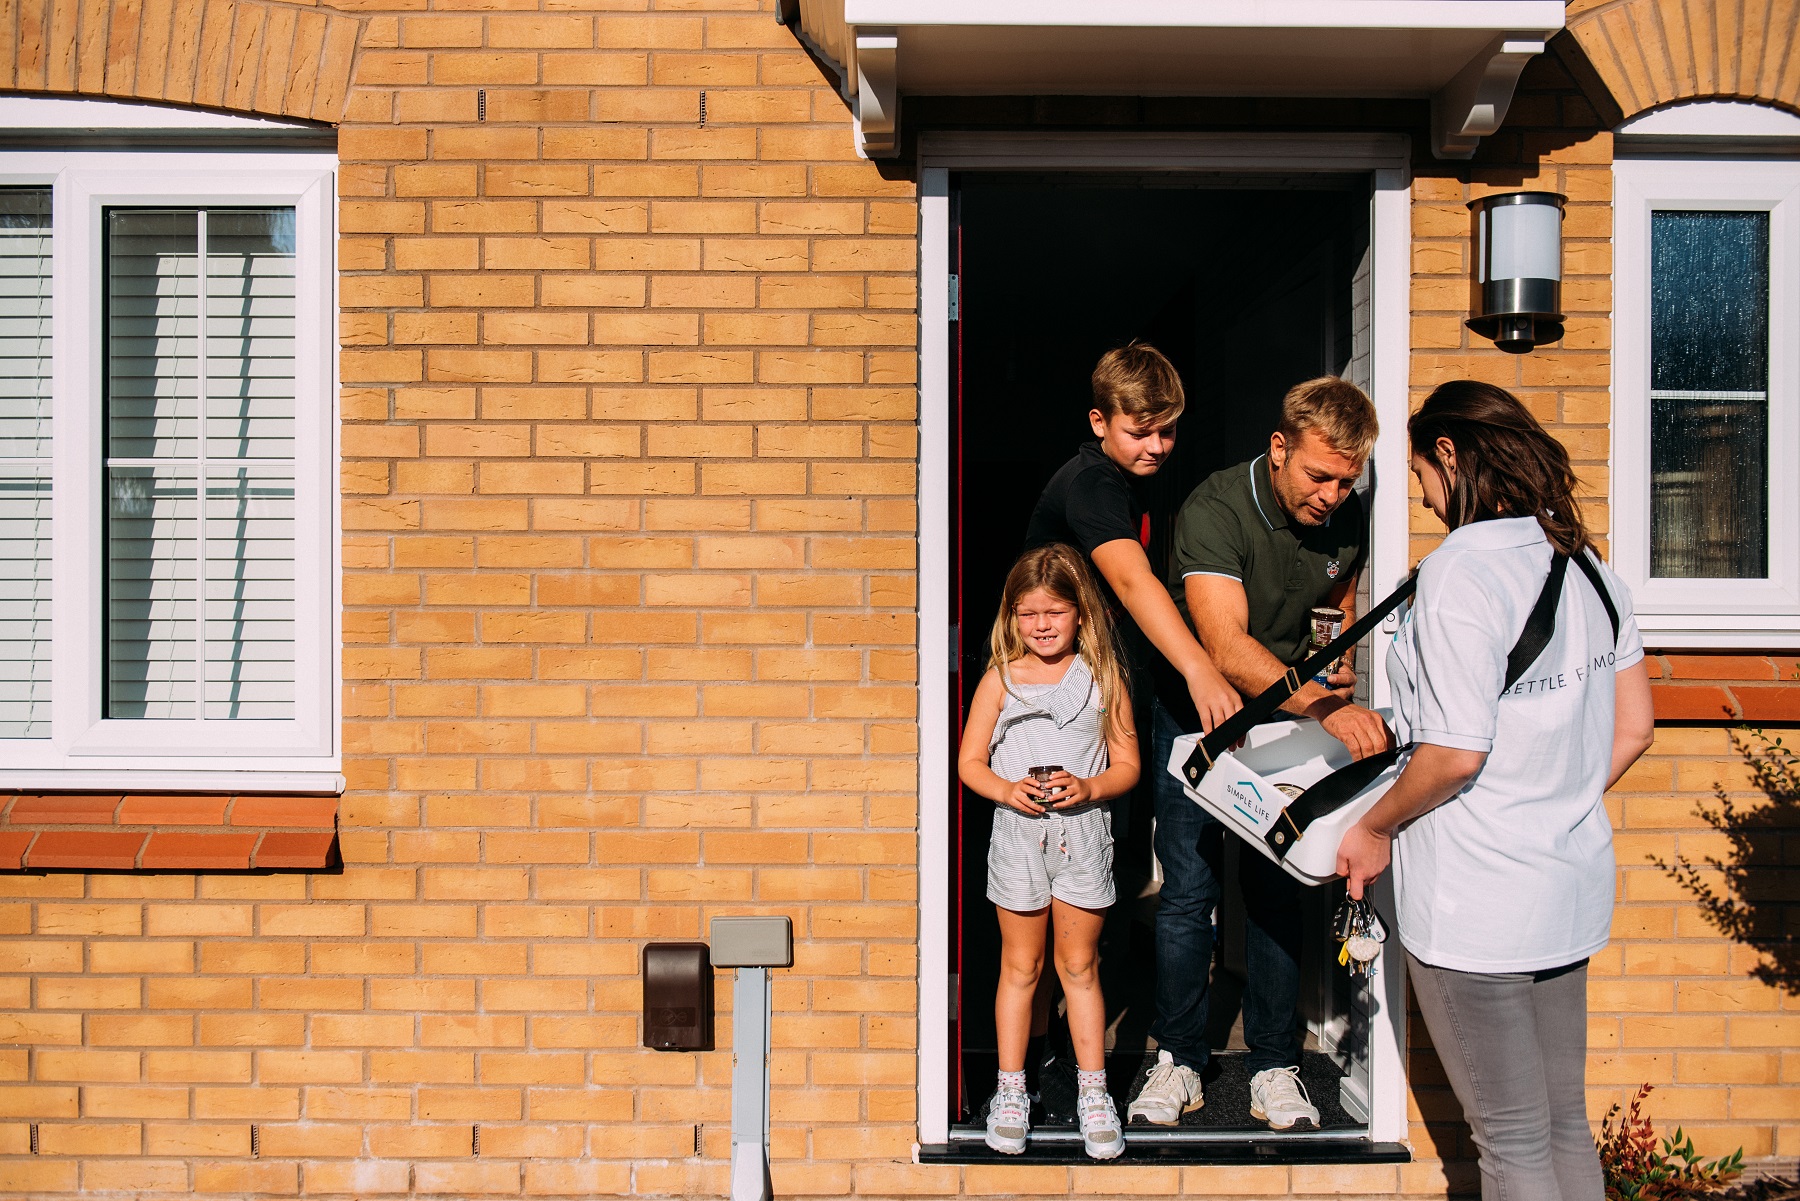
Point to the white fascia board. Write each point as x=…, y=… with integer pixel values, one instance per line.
x=1215, y=14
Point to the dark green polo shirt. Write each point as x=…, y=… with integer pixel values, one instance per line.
x=1231, y=526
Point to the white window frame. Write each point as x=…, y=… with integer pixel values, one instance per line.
x=1762, y=613
x=86, y=750
x=1384, y=160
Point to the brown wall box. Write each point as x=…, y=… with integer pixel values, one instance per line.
x=678, y=997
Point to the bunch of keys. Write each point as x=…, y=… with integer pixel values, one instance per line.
x=1359, y=930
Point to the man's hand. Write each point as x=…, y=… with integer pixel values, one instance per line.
x=1363, y=856
x=1214, y=697
x=1343, y=682
x=1359, y=729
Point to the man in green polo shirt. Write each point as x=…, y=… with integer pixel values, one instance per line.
x=1256, y=547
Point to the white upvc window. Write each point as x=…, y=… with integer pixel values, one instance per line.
x=168, y=530
x=1706, y=397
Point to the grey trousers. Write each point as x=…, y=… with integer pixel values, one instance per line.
x=1515, y=1048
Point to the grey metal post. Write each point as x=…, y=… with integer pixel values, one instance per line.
x=752, y=945
x=750, y=1014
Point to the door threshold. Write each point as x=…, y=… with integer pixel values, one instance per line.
x=1139, y=1133
x=1177, y=1147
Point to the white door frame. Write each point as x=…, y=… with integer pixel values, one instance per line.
x=1384, y=158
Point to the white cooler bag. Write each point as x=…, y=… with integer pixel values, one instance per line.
x=1291, y=790
x=1251, y=788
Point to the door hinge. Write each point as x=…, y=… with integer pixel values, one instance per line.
x=956, y=298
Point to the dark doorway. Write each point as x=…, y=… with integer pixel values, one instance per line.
x=1249, y=285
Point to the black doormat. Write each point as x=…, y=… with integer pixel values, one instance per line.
x=1228, y=1152
x=1226, y=1082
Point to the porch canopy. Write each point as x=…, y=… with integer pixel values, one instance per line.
x=1465, y=55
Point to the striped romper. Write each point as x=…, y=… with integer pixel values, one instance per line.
x=1066, y=854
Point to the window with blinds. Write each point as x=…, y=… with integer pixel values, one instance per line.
x=25, y=271
x=1709, y=395
x=199, y=463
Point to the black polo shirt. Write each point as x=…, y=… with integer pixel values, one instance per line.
x=1089, y=502
x=1232, y=526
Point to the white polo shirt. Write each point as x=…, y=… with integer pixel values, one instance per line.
x=1515, y=873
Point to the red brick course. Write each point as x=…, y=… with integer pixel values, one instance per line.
x=214, y=833
x=1749, y=686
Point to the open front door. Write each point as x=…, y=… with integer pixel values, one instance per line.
x=1249, y=284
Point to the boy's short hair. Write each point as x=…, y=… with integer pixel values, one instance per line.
x=1343, y=416
x=1137, y=381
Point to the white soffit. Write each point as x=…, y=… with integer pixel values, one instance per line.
x=1465, y=55
x=43, y=114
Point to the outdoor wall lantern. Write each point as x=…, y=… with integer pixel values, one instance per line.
x=1516, y=295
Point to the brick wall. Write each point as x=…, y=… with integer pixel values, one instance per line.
x=628, y=438
x=629, y=464
x=629, y=477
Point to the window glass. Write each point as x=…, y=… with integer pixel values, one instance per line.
x=25, y=270
x=200, y=463
x=1709, y=399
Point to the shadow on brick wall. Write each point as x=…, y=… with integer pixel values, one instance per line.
x=1752, y=895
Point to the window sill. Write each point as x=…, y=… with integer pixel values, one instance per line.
x=167, y=833
x=138, y=778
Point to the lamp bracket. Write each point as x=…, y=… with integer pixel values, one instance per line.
x=877, y=92
x=1474, y=103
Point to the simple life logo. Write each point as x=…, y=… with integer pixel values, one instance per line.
x=1247, y=799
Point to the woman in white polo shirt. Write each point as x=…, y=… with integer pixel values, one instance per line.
x=1500, y=841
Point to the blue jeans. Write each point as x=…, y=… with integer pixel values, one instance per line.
x=1190, y=845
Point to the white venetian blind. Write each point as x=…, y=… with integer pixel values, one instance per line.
x=200, y=463
x=25, y=265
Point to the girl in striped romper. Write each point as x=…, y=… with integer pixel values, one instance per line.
x=1053, y=696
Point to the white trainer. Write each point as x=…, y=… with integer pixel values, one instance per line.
x=1100, y=1132
x=1171, y=1091
x=1008, y=1122
x=1278, y=1098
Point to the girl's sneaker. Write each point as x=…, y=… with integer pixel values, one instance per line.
x=1008, y=1121
x=1101, y=1134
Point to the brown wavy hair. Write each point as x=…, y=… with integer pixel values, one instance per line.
x=1507, y=465
x=1138, y=381
x=1063, y=572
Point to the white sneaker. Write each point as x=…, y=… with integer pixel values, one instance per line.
x=1278, y=1098
x=1008, y=1122
x=1171, y=1091
x=1100, y=1132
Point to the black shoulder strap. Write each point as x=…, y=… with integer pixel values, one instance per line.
x=1326, y=796
x=1585, y=561
x=1542, y=623
x=1539, y=627
x=1232, y=730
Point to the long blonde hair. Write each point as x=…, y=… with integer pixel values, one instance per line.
x=1062, y=572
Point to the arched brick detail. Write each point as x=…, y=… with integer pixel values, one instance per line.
x=278, y=60
x=1652, y=52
